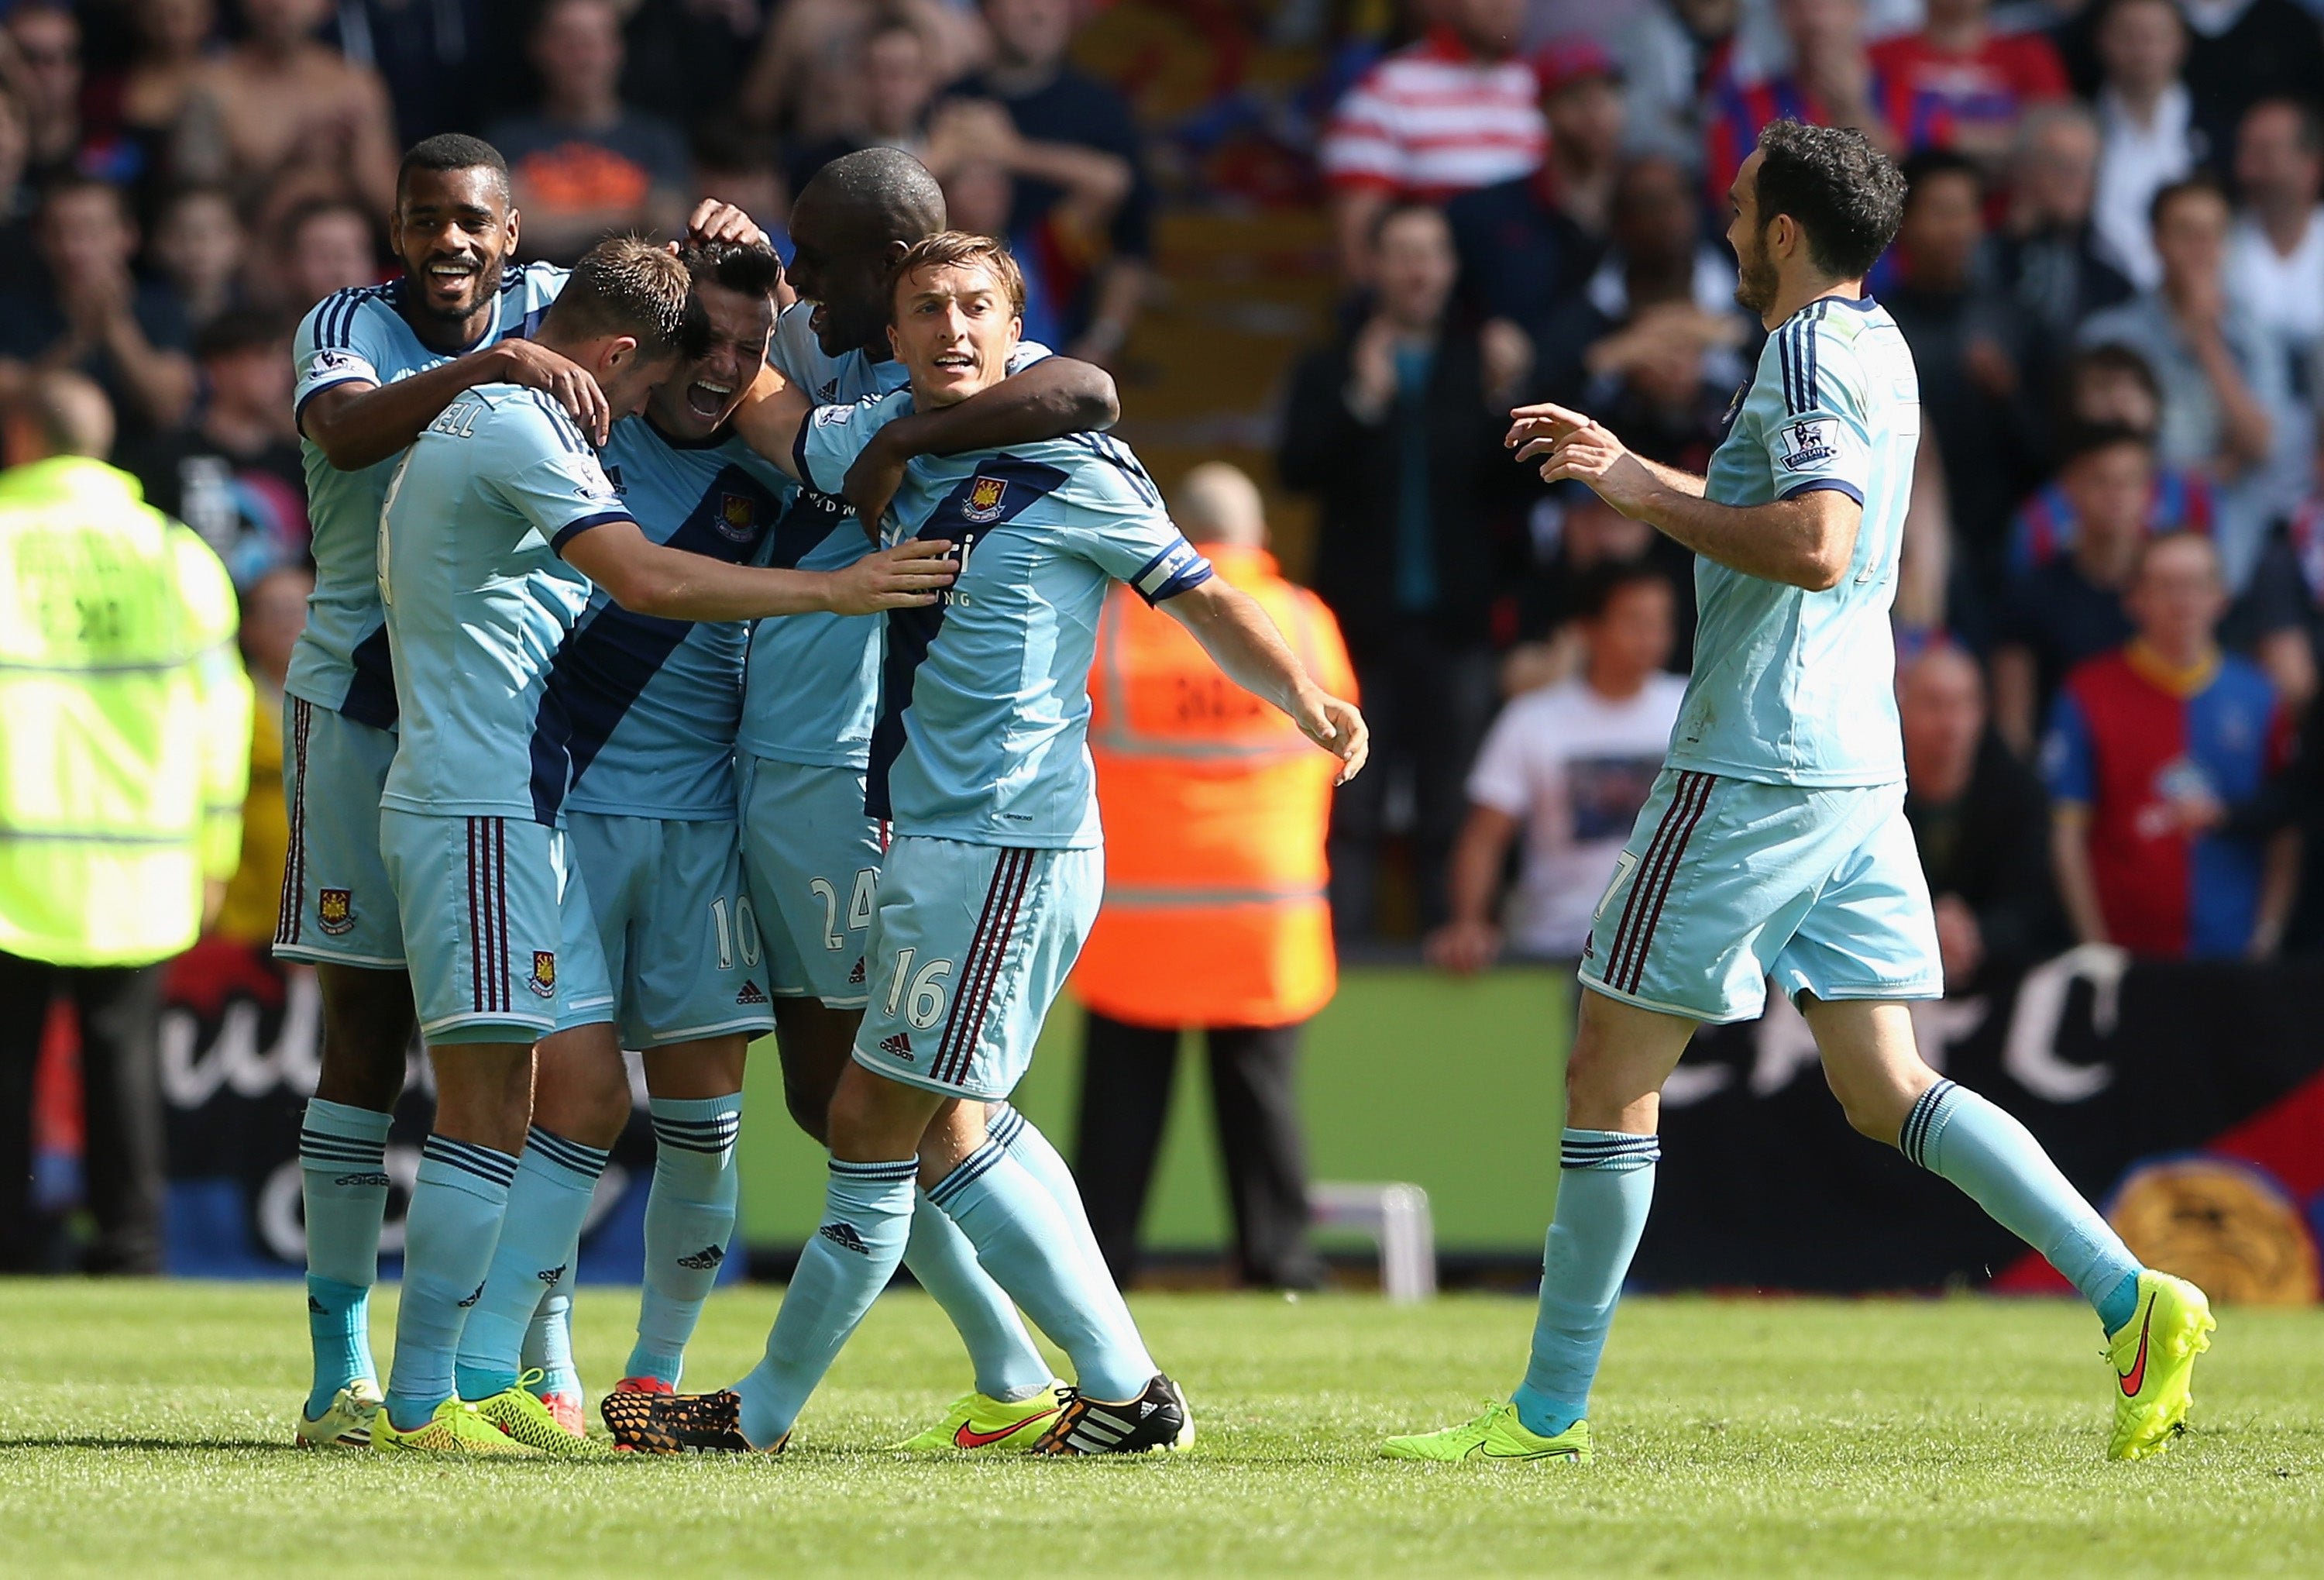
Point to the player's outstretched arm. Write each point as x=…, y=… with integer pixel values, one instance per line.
x=1805, y=541
x=646, y=578
x=1245, y=645
x=358, y=425
x=1054, y=396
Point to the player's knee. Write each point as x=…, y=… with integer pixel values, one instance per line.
x=368, y=1026
x=809, y=1105
x=1873, y=1110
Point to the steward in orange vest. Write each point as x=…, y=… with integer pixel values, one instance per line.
x=1215, y=916
x=1215, y=812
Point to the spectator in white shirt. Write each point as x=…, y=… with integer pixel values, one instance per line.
x=2275, y=252
x=1571, y=764
x=1456, y=111
x=2147, y=117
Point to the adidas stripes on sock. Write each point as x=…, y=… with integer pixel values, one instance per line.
x=866, y=1217
x=546, y=1205
x=1980, y=1146
x=343, y=1185
x=1604, y=1188
x=457, y=1205
x=1026, y=1242
x=689, y=1222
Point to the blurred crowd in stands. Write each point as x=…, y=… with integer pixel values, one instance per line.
x=2111, y=273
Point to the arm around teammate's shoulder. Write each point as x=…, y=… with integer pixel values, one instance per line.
x=359, y=424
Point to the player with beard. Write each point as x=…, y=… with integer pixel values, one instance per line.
x=374, y=366
x=1774, y=845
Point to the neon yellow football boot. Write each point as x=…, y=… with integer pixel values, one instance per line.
x=979, y=1420
x=455, y=1427
x=523, y=1415
x=2154, y=1361
x=345, y=1422
x=1498, y=1434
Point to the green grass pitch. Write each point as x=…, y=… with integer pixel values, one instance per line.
x=143, y=1431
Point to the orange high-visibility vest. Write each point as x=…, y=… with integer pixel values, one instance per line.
x=1215, y=810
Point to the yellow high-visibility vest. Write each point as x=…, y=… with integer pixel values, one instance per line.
x=124, y=719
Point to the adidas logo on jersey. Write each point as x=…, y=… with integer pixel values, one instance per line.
x=844, y=1235
x=751, y=993
x=900, y=1045
x=855, y=976
x=703, y=1260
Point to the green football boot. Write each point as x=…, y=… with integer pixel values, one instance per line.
x=2154, y=1361
x=1498, y=1434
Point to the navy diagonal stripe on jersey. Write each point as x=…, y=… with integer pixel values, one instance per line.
x=813, y=516
x=912, y=632
x=371, y=689
x=614, y=654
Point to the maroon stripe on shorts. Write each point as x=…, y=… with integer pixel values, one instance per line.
x=1640, y=879
x=1662, y=888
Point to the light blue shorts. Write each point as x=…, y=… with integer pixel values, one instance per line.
x=813, y=859
x=502, y=949
x=970, y=946
x=680, y=944
x=338, y=908
x=1727, y=883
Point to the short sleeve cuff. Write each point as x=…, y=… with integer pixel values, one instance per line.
x=800, y=461
x=573, y=529
x=1171, y=572
x=298, y=410
x=1837, y=485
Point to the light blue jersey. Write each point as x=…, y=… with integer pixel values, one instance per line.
x=653, y=704
x=360, y=337
x=984, y=702
x=1792, y=687
x=815, y=679
x=814, y=685
x=478, y=603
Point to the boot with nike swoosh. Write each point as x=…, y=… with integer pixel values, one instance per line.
x=979, y=1420
x=2154, y=1359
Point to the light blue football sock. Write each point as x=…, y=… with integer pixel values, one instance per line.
x=689, y=1222
x=537, y=1244
x=1995, y=1160
x=1604, y=1188
x=343, y=1184
x=943, y=1261
x=866, y=1218
x=1034, y=1152
x=1023, y=1239
x=549, y=1341
x=457, y=1205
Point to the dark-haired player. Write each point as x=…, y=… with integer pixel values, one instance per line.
x=374, y=366
x=1774, y=844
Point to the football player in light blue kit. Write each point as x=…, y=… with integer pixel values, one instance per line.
x=980, y=761
x=484, y=516
x=812, y=851
x=646, y=707
x=373, y=366
x=1775, y=845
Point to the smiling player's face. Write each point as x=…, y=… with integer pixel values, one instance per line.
x=702, y=394
x=454, y=230
x=953, y=332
